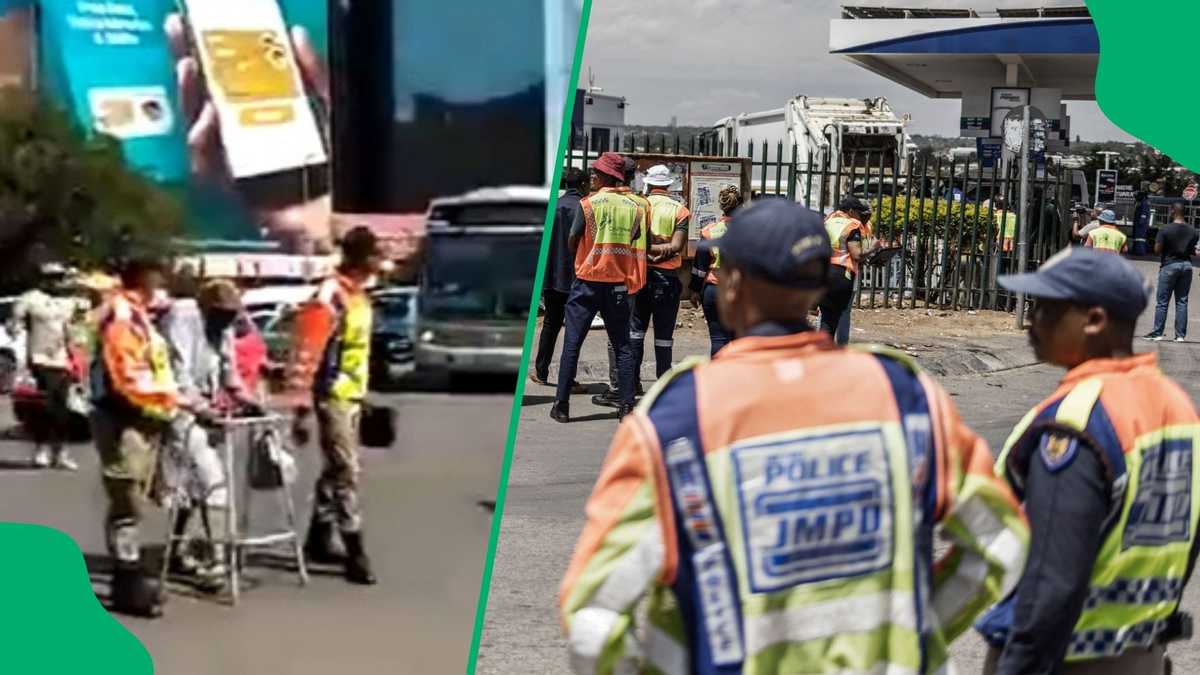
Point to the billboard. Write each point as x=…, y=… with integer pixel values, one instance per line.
x=118, y=69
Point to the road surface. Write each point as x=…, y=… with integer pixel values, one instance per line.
x=555, y=466
x=424, y=528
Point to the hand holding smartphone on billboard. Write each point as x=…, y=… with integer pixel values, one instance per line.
x=244, y=82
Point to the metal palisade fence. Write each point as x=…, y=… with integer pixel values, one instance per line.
x=944, y=215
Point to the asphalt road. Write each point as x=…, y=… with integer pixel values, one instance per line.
x=555, y=466
x=425, y=530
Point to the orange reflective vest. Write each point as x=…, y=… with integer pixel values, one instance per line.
x=714, y=231
x=613, y=249
x=839, y=226
x=665, y=216
x=331, y=343
x=133, y=370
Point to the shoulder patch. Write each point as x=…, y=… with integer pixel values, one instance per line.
x=1058, y=450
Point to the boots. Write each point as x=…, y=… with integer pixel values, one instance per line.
x=358, y=565
x=134, y=593
x=322, y=545
x=560, y=412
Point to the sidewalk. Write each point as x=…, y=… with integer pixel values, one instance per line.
x=945, y=343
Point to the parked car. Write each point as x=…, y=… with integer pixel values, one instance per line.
x=392, y=332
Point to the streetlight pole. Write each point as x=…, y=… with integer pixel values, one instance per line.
x=1107, y=157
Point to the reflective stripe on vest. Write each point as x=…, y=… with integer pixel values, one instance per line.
x=664, y=214
x=782, y=539
x=348, y=354
x=839, y=226
x=613, y=249
x=1107, y=239
x=714, y=231
x=1138, y=576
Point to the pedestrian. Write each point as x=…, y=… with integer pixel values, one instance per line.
x=609, y=397
x=704, y=269
x=849, y=231
x=609, y=240
x=1086, y=221
x=342, y=310
x=1176, y=244
x=764, y=519
x=658, y=302
x=1141, y=223
x=1006, y=223
x=560, y=270
x=134, y=398
x=44, y=318
x=1107, y=237
x=198, y=328
x=1106, y=469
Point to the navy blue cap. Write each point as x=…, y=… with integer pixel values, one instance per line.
x=773, y=240
x=1086, y=276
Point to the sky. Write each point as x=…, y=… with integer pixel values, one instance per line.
x=701, y=60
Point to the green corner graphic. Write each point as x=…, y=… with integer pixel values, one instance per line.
x=1144, y=79
x=53, y=622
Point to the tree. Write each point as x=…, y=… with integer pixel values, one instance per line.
x=69, y=197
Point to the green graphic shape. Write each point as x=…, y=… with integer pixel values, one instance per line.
x=52, y=621
x=530, y=328
x=1146, y=64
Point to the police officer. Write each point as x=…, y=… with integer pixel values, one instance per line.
x=1106, y=469
x=658, y=302
x=773, y=528
x=134, y=398
x=849, y=231
x=609, y=240
x=338, y=391
x=610, y=398
x=704, y=269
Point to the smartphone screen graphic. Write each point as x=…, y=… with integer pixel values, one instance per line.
x=267, y=123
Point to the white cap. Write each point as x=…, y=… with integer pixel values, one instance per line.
x=659, y=175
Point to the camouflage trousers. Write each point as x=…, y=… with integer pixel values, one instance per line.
x=129, y=470
x=335, y=498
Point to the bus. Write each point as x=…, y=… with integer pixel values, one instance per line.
x=476, y=287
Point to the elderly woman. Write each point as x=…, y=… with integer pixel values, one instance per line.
x=200, y=333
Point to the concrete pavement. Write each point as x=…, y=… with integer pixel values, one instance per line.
x=555, y=466
x=424, y=528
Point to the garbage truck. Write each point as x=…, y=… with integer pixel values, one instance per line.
x=828, y=134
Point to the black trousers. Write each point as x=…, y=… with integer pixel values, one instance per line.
x=552, y=323
x=835, y=306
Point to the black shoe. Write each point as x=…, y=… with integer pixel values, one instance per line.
x=538, y=378
x=560, y=412
x=358, y=565
x=609, y=399
x=638, y=391
x=623, y=410
x=134, y=593
x=322, y=545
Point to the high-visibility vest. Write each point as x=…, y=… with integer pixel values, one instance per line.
x=839, y=226
x=133, y=368
x=714, y=231
x=1007, y=222
x=337, y=326
x=772, y=541
x=613, y=249
x=1107, y=238
x=665, y=214
x=1149, y=433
